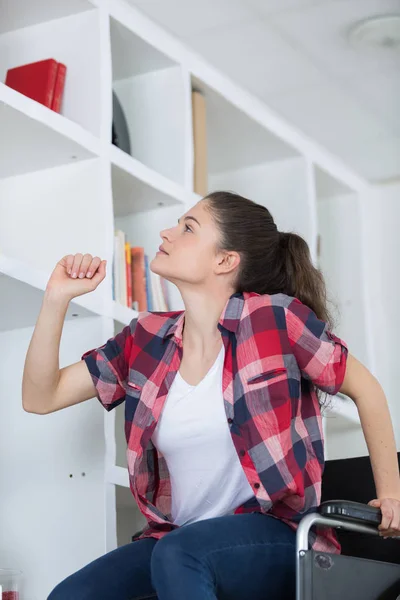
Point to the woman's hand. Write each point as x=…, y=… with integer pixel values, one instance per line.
x=390, y=508
x=76, y=274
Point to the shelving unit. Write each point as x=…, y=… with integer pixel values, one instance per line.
x=64, y=188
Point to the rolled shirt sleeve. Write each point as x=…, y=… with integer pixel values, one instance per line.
x=108, y=366
x=320, y=355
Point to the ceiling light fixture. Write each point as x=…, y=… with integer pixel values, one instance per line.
x=377, y=32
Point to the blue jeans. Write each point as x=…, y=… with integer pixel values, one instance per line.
x=234, y=557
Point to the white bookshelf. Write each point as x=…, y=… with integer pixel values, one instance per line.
x=64, y=188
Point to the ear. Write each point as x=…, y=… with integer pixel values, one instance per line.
x=227, y=261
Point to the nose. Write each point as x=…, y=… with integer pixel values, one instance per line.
x=165, y=235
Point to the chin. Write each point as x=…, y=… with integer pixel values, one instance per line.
x=156, y=266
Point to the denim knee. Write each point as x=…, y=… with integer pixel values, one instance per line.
x=68, y=590
x=167, y=551
x=162, y=552
x=174, y=549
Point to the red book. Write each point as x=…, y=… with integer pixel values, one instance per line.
x=59, y=87
x=35, y=80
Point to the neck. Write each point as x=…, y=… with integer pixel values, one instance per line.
x=202, y=314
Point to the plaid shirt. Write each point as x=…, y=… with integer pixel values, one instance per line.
x=276, y=351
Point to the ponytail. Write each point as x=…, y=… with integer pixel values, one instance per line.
x=300, y=278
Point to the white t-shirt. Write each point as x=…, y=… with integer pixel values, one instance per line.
x=207, y=479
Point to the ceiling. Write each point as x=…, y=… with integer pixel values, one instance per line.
x=295, y=56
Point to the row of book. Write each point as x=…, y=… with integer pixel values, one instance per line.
x=43, y=81
x=134, y=284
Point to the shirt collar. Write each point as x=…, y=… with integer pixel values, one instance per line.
x=229, y=319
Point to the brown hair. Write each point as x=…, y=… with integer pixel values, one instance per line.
x=271, y=261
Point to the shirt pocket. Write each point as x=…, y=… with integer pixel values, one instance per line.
x=268, y=399
x=266, y=376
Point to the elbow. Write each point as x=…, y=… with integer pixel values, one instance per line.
x=38, y=400
x=32, y=407
x=32, y=410
x=31, y=403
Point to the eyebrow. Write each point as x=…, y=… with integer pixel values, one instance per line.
x=192, y=218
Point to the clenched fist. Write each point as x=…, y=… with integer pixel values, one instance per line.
x=77, y=274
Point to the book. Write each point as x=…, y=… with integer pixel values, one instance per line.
x=139, y=278
x=122, y=267
x=59, y=87
x=200, y=177
x=128, y=261
x=119, y=267
x=35, y=80
x=116, y=283
x=157, y=293
x=164, y=287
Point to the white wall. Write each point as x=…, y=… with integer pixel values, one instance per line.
x=382, y=219
x=341, y=264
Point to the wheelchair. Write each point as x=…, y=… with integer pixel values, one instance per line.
x=368, y=567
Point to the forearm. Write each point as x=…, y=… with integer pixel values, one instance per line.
x=379, y=435
x=41, y=370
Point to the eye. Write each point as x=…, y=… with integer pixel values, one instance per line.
x=187, y=227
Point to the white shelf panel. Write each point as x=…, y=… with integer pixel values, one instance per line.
x=123, y=314
x=117, y=476
x=15, y=14
x=22, y=289
x=33, y=137
x=138, y=188
x=131, y=55
x=234, y=140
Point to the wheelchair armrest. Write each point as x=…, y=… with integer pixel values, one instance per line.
x=357, y=512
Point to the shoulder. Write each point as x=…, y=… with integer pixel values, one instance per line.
x=156, y=323
x=268, y=302
x=157, y=319
x=278, y=311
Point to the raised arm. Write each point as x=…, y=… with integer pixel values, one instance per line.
x=45, y=387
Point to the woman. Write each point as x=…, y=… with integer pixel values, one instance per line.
x=225, y=446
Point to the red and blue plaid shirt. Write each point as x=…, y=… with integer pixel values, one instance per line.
x=276, y=352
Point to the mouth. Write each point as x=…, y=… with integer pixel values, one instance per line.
x=162, y=252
